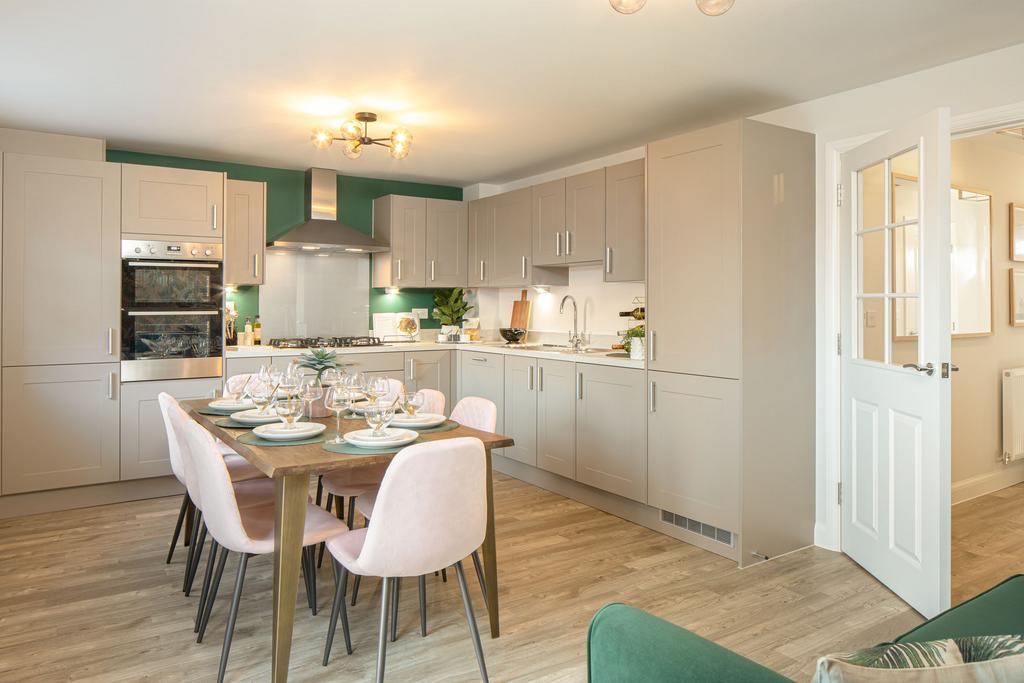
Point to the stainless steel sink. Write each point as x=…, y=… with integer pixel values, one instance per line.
x=565, y=348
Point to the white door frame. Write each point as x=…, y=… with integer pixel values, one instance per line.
x=827, y=531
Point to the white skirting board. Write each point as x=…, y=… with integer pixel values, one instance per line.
x=973, y=487
x=38, y=502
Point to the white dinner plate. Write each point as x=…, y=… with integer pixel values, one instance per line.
x=231, y=405
x=418, y=420
x=391, y=438
x=253, y=417
x=279, y=432
x=359, y=407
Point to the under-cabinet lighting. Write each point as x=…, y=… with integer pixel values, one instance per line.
x=541, y=289
x=354, y=250
x=310, y=247
x=391, y=290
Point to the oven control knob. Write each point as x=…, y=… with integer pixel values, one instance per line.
x=209, y=252
x=195, y=252
x=152, y=250
x=138, y=250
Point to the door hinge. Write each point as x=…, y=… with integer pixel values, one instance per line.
x=839, y=493
x=839, y=194
x=839, y=343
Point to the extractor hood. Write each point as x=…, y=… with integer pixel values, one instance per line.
x=322, y=230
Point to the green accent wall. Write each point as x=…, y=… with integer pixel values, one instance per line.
x=285, y=189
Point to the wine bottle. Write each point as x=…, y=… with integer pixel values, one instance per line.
x=638, y=313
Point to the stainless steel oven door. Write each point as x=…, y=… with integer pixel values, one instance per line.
x=171, y=344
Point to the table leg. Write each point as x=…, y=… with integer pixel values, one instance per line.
x=291, y=494
x=490, y=556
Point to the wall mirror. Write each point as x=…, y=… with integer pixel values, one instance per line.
x=1017, y=232
x=970, y=260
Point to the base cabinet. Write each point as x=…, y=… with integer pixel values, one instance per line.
x=84, y=450
x=693, y=452
x=243, y=366
x=611, y=438
x=521, y=408
x=430, y=370
x=556, y=417
x=483, y=375
x=143, y=436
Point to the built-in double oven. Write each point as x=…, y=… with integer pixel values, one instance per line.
x=172, y=310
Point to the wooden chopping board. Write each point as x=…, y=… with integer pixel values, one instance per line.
x=521, y=313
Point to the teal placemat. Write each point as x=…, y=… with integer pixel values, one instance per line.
x=349, y=449
x=231, y=424
x=446, y=426
x=207, y=410
x=253, y=440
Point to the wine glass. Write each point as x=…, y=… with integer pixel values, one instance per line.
x=331, y=377
x=338, y=401
x=289, y=410
x=311, y=391
x=262, y=394
x=291, y=378
x=379, y=415
x=413, y=402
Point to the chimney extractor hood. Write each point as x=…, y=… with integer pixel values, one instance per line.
x=322, y=230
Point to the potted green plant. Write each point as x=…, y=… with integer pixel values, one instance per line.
x=450, y=309
x=633, y=341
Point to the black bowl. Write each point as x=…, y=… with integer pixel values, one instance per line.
x=513, y=335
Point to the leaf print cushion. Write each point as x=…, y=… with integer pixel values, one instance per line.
x=979, y=659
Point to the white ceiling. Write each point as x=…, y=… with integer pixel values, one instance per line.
x=492, y=90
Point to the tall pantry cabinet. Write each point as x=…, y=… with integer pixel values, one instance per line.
x=730, y=319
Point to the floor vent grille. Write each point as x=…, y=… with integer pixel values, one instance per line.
x=714, y=533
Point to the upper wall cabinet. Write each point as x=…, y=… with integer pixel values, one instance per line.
x=245, y=232
x=480, y=242
x=446, y=243
x=510, y=259
x=549, y=223
x=625, y=209
x=568, y=219
x=173, y=202
x=61, y=261
x=402, y=223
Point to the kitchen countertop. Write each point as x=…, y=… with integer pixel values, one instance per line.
x=530, y=351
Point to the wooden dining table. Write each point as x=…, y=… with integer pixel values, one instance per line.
x=290, y=466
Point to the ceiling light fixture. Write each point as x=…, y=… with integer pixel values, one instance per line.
x=627, y=6
x=712, y=8
x=355, y=135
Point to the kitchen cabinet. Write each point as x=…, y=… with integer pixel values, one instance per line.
x=245, y=232
x=430, y=370
x=548, y=219
x=483, y=375
x=625, y=210
x=611, y=430
x=143, y=436
x=693, y=449
x=61, y=261
x=244, y=365
x=401, y=222
x=447, y=241
x=556, y=417
x=521, y=408
x=480, y=245
x=172, y=202
x=509, y=265
x=84, y=450
x=585, y=217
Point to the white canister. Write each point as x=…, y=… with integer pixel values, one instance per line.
x=636, y=348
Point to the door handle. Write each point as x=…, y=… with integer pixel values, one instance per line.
x=255, y=265
x=608, y=260
x=928, y=369
x=558, y=244
x=111, y=383
x=568, y=243
x=540, y=378
x=431, y=270
x=531, y=378
x=524, y=268
x=481, y=271
x=110, y=341
x=213, y=227
x=653, y=387
x=579, y=385
x=399, y=269
x=654, y=337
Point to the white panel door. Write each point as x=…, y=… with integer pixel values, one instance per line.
x=895, y=391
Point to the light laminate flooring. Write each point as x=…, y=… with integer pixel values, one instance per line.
x=988, y=541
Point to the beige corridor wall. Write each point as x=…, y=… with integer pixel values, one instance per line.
x=993, y=163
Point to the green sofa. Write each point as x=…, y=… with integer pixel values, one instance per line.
x=627, y=645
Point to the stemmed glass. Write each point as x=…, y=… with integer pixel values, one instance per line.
x=311, y=391
x=412, y=402
x=262, y=394
x=289, y=410
x=331, y=377
x=291, y=379
x=378, y=416
x=338, y=401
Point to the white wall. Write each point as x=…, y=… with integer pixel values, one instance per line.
x=986, y=82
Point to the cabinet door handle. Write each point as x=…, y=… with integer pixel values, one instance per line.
x=431, y=270
x=110, y=341
x=568, y=243
x=579, y=385
x=531, y=378
x=481, y=271
x=524, y=268
x=255, y=265
x=111, y=383
x=479, y=360
x=412, y=370
x=540, y=378
x=651, y=395
x=654, y=338
x=558, y=244
x=608, y=260
x=213, y=222
x=399, y=269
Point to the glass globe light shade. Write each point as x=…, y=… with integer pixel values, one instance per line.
x=322, y=138
x=399, y=150
x=353, y=149
x=401, y=136
x=351, y=130
x=627, y=6
x=714, y=8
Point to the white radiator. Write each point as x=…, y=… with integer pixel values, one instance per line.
x=1013, y=414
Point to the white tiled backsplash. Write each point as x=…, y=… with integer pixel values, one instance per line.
x=599, y=305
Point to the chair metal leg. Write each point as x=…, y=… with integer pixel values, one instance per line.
x=214, y=587
x=397, y=583
x=311, y=551
x=423, y=605
x=205, y=595
x=196, y=559
x=471, y=621
x=355, y=589
x=480, y=574
x=177, y=526
x=191, y=544
x=229, y=630
x=307, y=575
x=323, y=546
x=319, y=489
x=340, y=579
x=351, y=512
x=382, y=636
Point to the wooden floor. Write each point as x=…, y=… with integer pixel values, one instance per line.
x=85, y=594
x=988, y=541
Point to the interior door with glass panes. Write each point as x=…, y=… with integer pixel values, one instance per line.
x=895, y=494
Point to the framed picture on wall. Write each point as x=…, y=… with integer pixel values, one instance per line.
x=1016, y=297
x=1017, y=232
